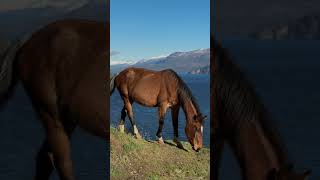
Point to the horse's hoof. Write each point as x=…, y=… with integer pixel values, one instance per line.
x=138, y=136
x=160, y=141
x=121, y=128
x=179, y=145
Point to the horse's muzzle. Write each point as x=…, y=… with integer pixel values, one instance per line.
x=197, y=149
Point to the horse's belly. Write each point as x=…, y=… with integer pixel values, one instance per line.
x=92, y=114
x=89, y=104
x=146, y=95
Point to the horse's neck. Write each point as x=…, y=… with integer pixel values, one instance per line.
x=189, y=109
x=255, y=152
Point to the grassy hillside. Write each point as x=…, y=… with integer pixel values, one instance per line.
x=141, y=159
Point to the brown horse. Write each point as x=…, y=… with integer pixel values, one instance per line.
x=64, y=70
x=162, y=89
x=244, y=123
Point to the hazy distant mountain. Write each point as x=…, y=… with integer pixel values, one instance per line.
x=202, y=70
x=182, y=62
x=234, y=18
x=9, y=5
x=118, y=67
x=304, y=28
x=18, y=22
x=92, y=11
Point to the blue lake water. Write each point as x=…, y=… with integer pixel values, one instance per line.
x=147, y=118
x=286, y=75
x=21, y=135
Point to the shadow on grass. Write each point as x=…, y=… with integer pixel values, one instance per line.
x=180, y=146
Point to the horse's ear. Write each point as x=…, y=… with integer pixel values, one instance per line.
x=272, y=175
x=194, y=117
x=307, y=173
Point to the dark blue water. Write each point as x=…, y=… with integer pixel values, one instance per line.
x=147, y=118
x=21, y=136
x=286, y=75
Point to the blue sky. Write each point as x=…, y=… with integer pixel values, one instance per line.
x=151, y=28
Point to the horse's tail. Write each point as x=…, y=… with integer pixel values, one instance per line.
x=112, y=86
x=8, y=77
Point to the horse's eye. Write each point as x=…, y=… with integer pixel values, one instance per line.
x=194, y=117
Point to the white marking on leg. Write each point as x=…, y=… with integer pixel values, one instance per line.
x=51, y=159
x=160, y=140
x=121, y=128
x=135, y=129
x=201, y=129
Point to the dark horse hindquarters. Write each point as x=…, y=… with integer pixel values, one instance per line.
x=245, y=124
x=64, y=69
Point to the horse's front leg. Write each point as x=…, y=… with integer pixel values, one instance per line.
x=175, y=122
x=218, y=145
x=217, y=150
x=162, y=111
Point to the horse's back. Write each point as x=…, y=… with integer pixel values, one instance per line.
x=64, y=68
x=133, y=75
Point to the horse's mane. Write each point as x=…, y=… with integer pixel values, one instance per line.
x=184, y=91
x=238, y=103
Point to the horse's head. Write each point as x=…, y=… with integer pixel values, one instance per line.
x=287, y=173
x=194, y=130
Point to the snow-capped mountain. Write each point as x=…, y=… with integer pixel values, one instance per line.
x=182, y=62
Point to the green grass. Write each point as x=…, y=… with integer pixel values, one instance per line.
x=140, y=159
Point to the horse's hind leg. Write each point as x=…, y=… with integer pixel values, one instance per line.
x=44, y=164
x=58, y=135
x=162, y=111
x=128, y=106
x=122, y=120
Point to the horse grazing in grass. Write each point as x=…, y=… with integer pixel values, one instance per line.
x=64, y=70
x=162, y=89
x=244, y=123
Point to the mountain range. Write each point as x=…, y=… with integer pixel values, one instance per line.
x=303, y=28
x=181, y=62
x=15, y=23
x=238, y=19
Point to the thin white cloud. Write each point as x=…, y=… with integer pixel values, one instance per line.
x=113, y=53
x=120, y=61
